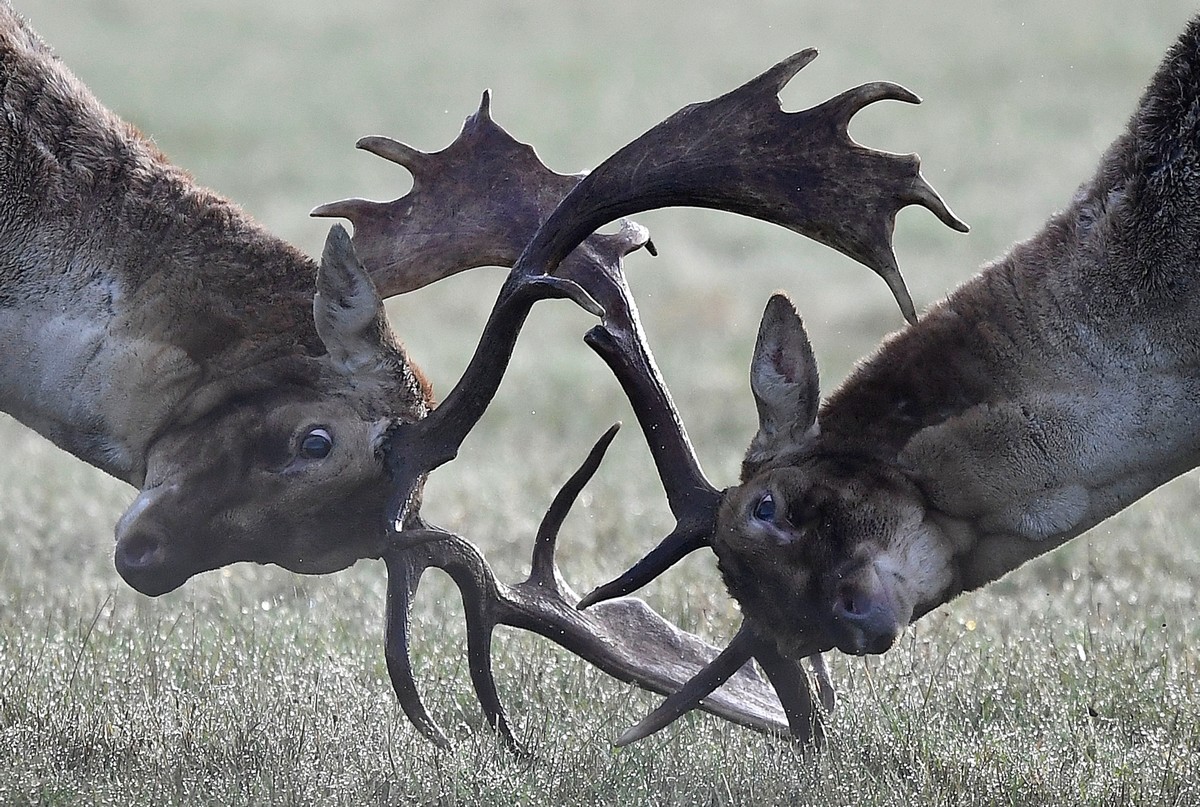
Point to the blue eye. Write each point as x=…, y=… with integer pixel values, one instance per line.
x=316, y=445
x=765, y=509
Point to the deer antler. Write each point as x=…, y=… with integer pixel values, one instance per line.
x=474, y=203
x=740, y=152
x=623, y=637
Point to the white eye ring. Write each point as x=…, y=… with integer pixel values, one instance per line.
x=316, y=444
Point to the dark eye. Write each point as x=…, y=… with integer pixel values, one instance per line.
x=765, y=509
x=316, y=445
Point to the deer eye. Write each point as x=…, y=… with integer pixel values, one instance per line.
x=765, y=509
x=316, y=445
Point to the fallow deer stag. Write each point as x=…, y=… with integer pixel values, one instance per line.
x=740, y=152
x=152, y=329
x=1043, y=396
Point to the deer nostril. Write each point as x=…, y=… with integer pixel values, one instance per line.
x=850, y=604
x=140, y=551
x=867, y=622
x=144, y=559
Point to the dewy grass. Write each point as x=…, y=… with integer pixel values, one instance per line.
x=1071, y=682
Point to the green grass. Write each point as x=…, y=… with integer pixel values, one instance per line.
x=1072, y=681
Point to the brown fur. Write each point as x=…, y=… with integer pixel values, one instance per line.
x=154, y=330
x=1047, y=393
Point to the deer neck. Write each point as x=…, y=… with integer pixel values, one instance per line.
x=107, y=336
x=1056, y=387
x=123, y=286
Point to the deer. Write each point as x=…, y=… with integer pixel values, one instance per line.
x=1047, y=393
x=152, y=329
x=266, y=412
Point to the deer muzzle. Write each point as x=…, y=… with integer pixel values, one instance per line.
x=143, y=554
x=866, y=616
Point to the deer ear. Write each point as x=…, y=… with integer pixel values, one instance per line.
x=347, y=308
x=783, y=378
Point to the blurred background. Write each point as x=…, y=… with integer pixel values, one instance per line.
x=263, y=102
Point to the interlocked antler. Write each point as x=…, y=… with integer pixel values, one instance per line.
x=499, y=187
x=624, y=637
x=742, y=153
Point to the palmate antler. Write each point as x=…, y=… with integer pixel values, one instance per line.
x=740, y=152
x=500, y=187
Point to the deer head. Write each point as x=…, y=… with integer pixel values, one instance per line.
x=305, y=433
x=828, y=546
x=153, y=329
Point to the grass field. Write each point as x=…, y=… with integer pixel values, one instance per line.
x=1075, y=680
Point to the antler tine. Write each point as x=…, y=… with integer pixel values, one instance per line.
x=474, y=203
x=681, y=542
x=625, y=638
x=851, y=102
x=421, y=547
x=394, y=151
x=735, y=655
x=825, y=689
x=772, y=81
x=351, y=209
x=786, y=676
x=543, y=569
x=794, y=691
x=403, y=577
x=742, y=153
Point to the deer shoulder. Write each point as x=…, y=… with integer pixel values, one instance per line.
x=1059, y=385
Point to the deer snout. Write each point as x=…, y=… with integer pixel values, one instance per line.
x=864, y=616
x=142, y=555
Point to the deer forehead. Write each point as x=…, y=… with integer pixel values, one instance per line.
x=831, y=489
x=821, y=520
